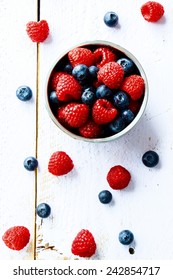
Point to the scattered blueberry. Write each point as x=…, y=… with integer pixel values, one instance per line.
x=150, y=159
x=126, y=237
x=30, y=163
x=121, y=100
x=127, y=115
x=116, y=126
x=68, y=68
x=81, y=72
x=53, y=98
x=103, y=92
x=105, y=196
x=24, y=93
x=111, y=19
x=88, y=96
x=43, y=210
x=127, y=64
x=93, y=71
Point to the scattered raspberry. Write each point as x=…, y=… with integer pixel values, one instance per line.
x=118, y=177
x=81, y=56
x=103, y=111
x=54, y=79
x=76, y=114
x=37, y=31
x=68, y=88
x=84, y=244
x=111, y=74
x=16, y=238
x=103, y=55
x=152, y=11
x=90, y=130
x=60, y=163
x=134, y=86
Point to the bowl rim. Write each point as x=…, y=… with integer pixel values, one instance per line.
x=128, y=127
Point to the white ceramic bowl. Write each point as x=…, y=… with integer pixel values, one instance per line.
x=142, y=107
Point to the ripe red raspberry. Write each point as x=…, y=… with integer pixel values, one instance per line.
x=111, y=74
x=134, y=106
x=76, y=114
x=118, y=177
x=61, y=115
x=133, y=85
x=103, y=55
x=60, y=163
x=54, y=79
x=90, y=130
x=103, y=111
x=84, y=244
x=16, y=238
x=68, y=88
x=81, y=56
x=37, y=31
x=152, y=11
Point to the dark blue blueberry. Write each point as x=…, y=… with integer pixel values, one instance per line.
x=127, y=64
x=126, y=237
x=111, y=19
x=121, y=100
x=88, y=96
x=43, y=210
x=24, y=93
x=53, y=98
x=30, y=163
x=127, y=115
x=105, y=196
x=116, y=126
x=81, y=72
x=150, y=159
x=103, y=92
x=93, y=71
x=68, y=68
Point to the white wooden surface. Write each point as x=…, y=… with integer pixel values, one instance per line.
x=145, y=207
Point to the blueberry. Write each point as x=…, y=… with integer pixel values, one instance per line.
x=116, y=126
x=24, y=93
x=81, y=72
x=120, y=100
x=53, y=98
x=110, y=19
x=30, y=163
x=105, y=196
x=43, y=210
x=93, y=71
x=150, y=159
x=88, y=96
x=68, y=68
x=127, y=64
x=127, y=115
x=126, y=237
x=103, y=92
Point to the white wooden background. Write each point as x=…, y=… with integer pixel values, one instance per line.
x=146, y=206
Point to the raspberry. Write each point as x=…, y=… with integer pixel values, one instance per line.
x=90, y=130
x=81, y=56
x=111, y=74
x=134, y=86
x=16, y=238
x=76, y=114
x=60, y=163
x=152, y=11
x=61, y=115
x=68, y=88
x=118, y=177
x=103, y=111
x=84, y=244
x=37, y=31
x=54, y=79
x=103, y=55
x=134, y=106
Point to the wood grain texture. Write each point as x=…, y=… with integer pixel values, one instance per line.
x=17, y=126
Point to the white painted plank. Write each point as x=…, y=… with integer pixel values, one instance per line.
x=17, y=126
x=145, y=207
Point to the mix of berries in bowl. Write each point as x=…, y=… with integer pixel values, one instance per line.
x=96, y=91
